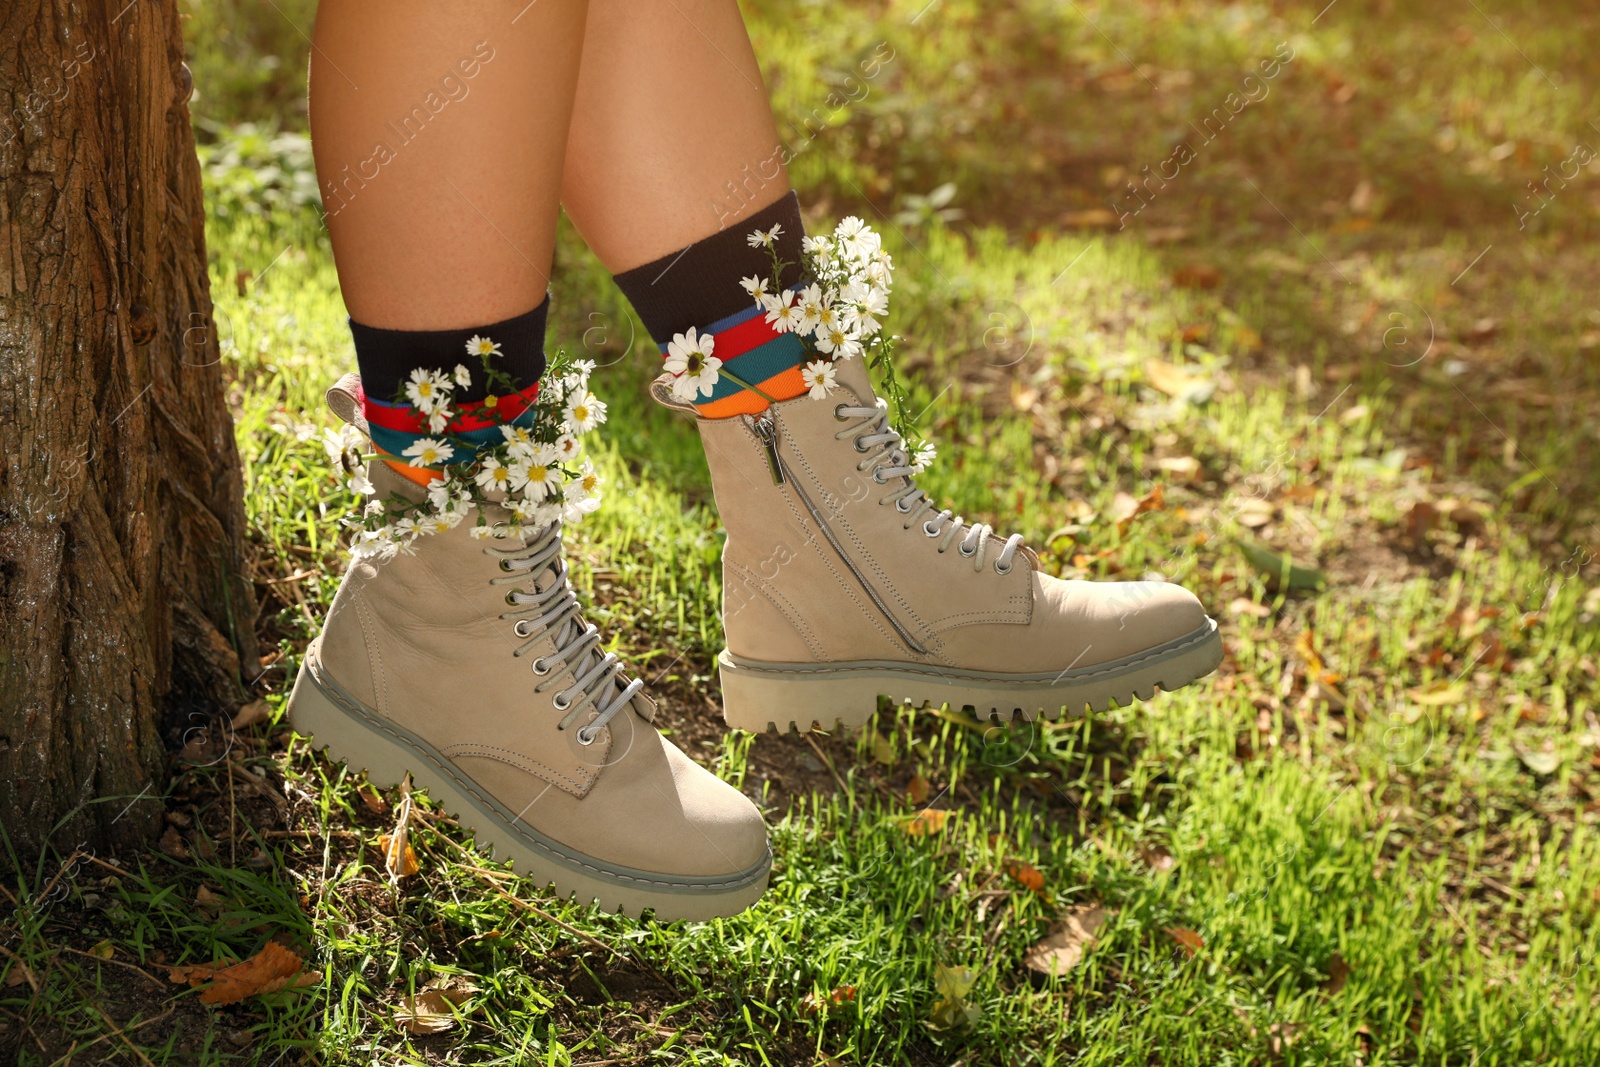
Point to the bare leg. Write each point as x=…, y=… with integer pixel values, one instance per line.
x=670, y=110
x=439, y=134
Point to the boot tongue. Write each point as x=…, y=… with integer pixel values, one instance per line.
x=852, y=375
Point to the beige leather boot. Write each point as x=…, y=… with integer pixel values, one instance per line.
x=468, y=664
x=843, y=581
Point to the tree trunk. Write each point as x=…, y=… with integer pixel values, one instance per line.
x=122, y=589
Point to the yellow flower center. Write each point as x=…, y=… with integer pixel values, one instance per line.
x=490, y=401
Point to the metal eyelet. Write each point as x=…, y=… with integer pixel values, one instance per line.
x=510, y=593
x=560, y=705
x=585, y=741
x=519, y=631
x=1002, y=570
x=903, y=510
x=505, y=565
x=838, y=412
x=859, y=446
x=965, y=551
x=928, y=529
x=877, y=475
x=539, y=666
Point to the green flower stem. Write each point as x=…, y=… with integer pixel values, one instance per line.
x=740, y=381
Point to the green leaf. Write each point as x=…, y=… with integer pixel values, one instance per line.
x=1281, y=569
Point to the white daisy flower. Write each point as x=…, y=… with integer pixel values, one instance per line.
x=758, y=239
x=584, y=414
x=439, y=419
x=426, y=389
x=861, y=314
x=493, y=475
x=428, y=452
x=360, y=484
x=690, y=362
x=517, y=474
x=374, y=507
x=566, y=448
x=541, y=479
x=428, y=524
x=815, y=245
x=463, y=376
x=818, y=376
x=756, y=287
x=838, y=342
x=482, y=346
x=827, y=315
x=810, y=305
x=480, y=533
x=340, y=443
x=783, y=315
x=924, y=458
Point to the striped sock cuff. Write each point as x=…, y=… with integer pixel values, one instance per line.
x=751, y=350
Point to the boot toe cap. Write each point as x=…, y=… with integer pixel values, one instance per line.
x=1124, y=618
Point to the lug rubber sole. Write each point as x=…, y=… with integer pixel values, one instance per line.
x=782, y=696
x=359, y=737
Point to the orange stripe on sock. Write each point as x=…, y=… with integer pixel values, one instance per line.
x=785, y=385
x=421, y=475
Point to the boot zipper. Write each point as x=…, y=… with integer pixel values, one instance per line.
x=767, y=431
x=769, y=439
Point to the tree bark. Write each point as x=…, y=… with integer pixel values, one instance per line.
x=122, y=529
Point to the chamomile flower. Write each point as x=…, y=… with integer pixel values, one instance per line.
x=827, y=315
x=360, y=484
x=519, y=440
x=783, y=315
x=428, y=452
x=924, y=457
x=756, y=287
x=541, y=479
x=480, y=533
x=818, y=376
x=810, y=305
x=582, y=494
x=374, y=507
x=584, y=414
x=343, y=446
x=566, y=448
x=440, y=418
x=463, y=376
x=427, y=389
x=838, y=342
x=817, y=246
x=482, y=346
x=493, y=475
x=760, y=239
x=690, y=362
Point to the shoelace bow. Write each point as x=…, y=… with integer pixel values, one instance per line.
x=554, y=609
x=890, y=460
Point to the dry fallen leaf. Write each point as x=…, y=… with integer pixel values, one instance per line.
x=951, y=1009
x=371, y=799
x=1026, y=875
x=927, y=821
x=268, y=971
x=252, y=713
x=1178, y=382
x=398, y=858
x=812, y=1003
x=1124, y=508
x=1197, y=276
x=917, y=790
x=426, y=1013
x=1338, y=974
x=206, y=900
x=1187, y=939
x=1068, y=939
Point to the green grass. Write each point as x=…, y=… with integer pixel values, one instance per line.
x=1379, y=817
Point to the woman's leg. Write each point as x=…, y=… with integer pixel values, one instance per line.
x=672, y=134
x=464, y=660
x=674, y=142
x=439, y=132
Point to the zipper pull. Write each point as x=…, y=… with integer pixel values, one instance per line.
x=768, y=432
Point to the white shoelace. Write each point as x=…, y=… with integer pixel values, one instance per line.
x=885, y=453
x=554, y=609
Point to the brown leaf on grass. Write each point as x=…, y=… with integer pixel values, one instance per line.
x=371, y=799
x=1245, y=606
x=1026, y=874
x=927, y=821
x=917, y=790
x=172, y=844
x=429, y=1012
x=398, y=857
x=1124, y=508
x=1187, y=939
x=812, y=1003
x=1179, y=382
x=1338, y=974
x=268, y=971
x=1068, y=939
x=206, y=900
x=252, y=713
x=103, y=951
x=1158, y=858
x=1197, y=276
